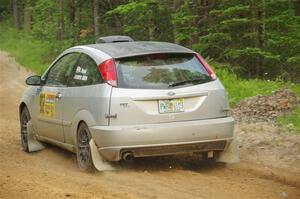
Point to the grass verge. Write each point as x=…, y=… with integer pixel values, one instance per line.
x=239, y=89
x=28, y=51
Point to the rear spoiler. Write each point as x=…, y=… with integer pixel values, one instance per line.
x=114, y=39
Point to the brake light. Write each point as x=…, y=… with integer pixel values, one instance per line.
x=207, y=67
x=109, y=72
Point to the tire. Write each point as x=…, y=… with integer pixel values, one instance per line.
x=24, y=119
x=83, y=152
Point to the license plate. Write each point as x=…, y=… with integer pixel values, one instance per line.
x=170, y=106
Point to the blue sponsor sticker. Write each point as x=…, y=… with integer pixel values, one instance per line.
x=38, y=91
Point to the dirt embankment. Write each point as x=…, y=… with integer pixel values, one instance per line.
x=269, y=165
x=266, y=108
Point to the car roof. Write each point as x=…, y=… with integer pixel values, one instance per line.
x=129, y=49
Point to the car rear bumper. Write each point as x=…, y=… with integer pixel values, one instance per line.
x=164, y=138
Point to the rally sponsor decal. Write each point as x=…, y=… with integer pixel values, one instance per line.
x=47, y=104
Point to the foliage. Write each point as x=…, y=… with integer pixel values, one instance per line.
x=44, y=26
x=184, y=21
x=28, y=51
x=260, y=38
x=257, y=38
x=140, y=19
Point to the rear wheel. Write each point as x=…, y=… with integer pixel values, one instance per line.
x=24, y=119
x=84, y=156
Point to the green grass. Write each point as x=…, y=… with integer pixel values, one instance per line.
x=291, y=121
x=239, y=89
x=28, y=52
x=36, y=56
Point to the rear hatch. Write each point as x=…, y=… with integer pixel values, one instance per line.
x=162, y=88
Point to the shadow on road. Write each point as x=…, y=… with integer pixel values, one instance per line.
x=163, y=163
x=193, y=163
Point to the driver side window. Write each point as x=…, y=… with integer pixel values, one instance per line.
x=62, y=70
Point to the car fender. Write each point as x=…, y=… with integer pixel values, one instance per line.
x=27, y=99
x=81, y=116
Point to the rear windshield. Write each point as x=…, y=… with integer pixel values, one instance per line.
x=160, y=71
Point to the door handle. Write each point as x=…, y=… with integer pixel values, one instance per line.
x=58, y=96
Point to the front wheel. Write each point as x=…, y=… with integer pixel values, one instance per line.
x=24, y=119
x=84, y=156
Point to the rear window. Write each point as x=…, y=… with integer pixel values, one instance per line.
x=160, y=71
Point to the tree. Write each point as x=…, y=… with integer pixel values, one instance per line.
x=96, y=18
x=176, y=5
x=255, y=38
x=297, y=7
x=142, y=19
x=60, y=20
x=252, y=36
x=27, y=16
x=16, y=14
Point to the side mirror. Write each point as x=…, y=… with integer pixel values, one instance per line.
x=34, y=80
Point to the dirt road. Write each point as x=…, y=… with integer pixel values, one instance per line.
x=265, y=171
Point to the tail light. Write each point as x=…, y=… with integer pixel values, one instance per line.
x=109, y=72
x=207, y=67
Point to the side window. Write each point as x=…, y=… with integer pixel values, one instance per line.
x=86, y=72
x=62, y=70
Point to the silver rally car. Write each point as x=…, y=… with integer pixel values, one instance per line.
x=120, y=99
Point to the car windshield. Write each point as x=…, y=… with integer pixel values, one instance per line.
x=160, y=71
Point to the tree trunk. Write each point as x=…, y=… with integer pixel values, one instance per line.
x=96, y=18
x=261, y=35
x=27, y=16
x=175, y=6
x=151, y=21
x=71, y=15
x=261, y=28
x=77, y=22
x=16, y=14
x=117, y=20
x=60, y=20
x=201, y=10
x=151, y=30
x=297, y=7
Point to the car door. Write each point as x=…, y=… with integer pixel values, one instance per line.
x=86, y=95
x=51, y=100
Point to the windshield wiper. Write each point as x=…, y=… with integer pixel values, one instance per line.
x=187, y=82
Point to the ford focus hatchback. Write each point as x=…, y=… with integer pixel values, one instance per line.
x=120, y=99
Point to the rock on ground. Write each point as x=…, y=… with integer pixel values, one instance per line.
x=265, y=108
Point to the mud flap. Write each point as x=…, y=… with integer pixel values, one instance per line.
x=230, y=154
x=98, y=161
x=33, y=143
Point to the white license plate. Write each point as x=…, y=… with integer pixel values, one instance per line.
x=171, y=106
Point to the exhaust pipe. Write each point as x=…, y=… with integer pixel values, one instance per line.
x=127, y=156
